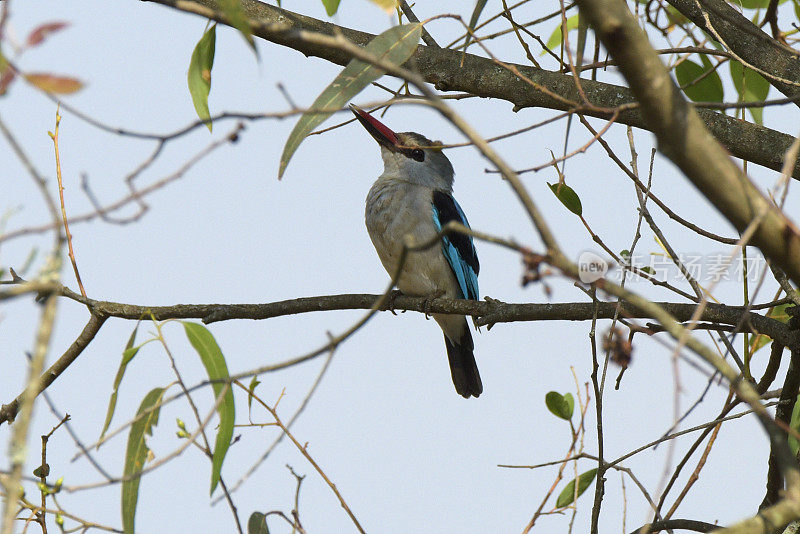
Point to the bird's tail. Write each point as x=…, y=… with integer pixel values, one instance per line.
x=463, y=368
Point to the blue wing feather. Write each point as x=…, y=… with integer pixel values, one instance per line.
x=458, y=249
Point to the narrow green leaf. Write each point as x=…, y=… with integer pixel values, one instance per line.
x=257, y=524
x=751, y=86
x=567, y=495
x=473, y=20
x=136, y=454
x=559, y=405
x=395, y=45
x=557, y=37
x=214, y=362
x=250, y=390
x=568, y=197
x=699, y=82
x=234, y=12
x=794, y=424
x=331, y=6
x=127, y=355
x=199, y=77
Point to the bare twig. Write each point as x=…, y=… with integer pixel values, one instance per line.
x=54, y=137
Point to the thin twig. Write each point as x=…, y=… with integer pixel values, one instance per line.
x=54, y=137
x=304, y=451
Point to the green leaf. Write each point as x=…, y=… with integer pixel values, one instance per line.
x=568, y=197
x=794, y=424
x=395, y=45
x=758, y=341
x=700, y=83
x=199, y=77
x=752, y=4
x=136, y=454
x=751, y=86
x=473, y=20
x=560, y=405
x=675, y=17
x=331, y=6
x=570, y=403
x=127, y=355
x=7, y=75
x=567, y=495
x=234, y=12
x=214, y=362
x=556, y=38
x=647, y=269
x=254, y=382
x=257, y=524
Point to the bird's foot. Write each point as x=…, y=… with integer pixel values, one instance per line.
x=393, y=294
x=430, y=298
x=489, y=319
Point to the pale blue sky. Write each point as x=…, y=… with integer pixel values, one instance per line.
x=407, y=453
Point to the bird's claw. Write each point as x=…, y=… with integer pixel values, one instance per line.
x=487, y=319
x=427, y=302
x=393, y=294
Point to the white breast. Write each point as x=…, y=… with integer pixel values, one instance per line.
x=395, y=209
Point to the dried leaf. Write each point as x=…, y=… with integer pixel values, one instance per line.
x=41, y=32
x=53, y=83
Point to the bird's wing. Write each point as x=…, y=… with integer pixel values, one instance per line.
x=457, y=248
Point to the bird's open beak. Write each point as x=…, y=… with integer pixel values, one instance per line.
x=382, y=134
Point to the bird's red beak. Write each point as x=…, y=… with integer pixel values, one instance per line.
x=379, y=131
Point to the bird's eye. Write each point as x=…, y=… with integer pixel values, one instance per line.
x=417, y=154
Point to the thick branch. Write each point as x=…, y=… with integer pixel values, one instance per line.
x=451, y=70
x=747, y=41
x=783, y=413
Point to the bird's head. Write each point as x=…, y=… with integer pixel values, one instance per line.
x=408, y=155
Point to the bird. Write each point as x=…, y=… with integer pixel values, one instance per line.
x=414, y=197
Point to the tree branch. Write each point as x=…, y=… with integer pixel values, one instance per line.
x=683, y=138
x=682, y=524
x=451, y=70
x=783, y=413
x=779, y=63
x=487, y=312
x=9, y=411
